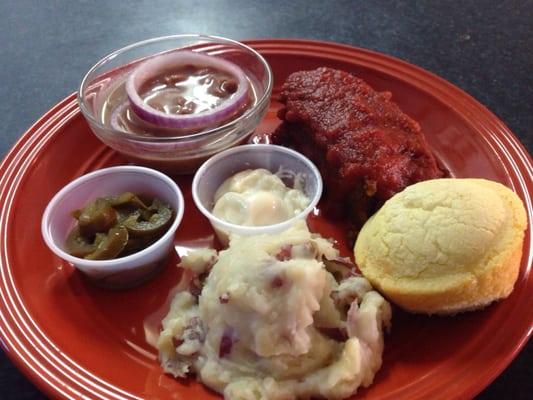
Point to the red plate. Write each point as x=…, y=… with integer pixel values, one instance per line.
x=75, y=340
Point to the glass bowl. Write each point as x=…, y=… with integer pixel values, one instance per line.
x=288, y=164
x=122, y=272
x=173, y=153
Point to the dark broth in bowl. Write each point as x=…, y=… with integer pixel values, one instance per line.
x=189, y=90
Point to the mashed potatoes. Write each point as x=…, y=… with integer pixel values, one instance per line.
x=272, y=323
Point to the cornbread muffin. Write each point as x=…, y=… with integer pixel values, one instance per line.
x=444, y=246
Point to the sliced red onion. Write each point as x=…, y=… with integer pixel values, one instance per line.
x=151, y=68
x=115, y=115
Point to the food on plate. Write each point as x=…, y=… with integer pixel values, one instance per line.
x=271, y=322
x=116, y=226
x=365, y=147
x=176, y=93
x=444, y=246
x=257, y=197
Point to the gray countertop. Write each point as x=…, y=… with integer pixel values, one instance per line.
x=483, y=47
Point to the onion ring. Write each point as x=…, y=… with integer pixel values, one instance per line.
x=116, y=115
x=151, y=68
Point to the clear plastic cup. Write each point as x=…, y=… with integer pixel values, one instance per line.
x=274, y=158
x=176, y=153
x=121, y=272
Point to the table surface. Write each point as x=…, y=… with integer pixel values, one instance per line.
x=483, y=47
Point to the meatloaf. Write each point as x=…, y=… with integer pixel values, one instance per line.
x=365, y=147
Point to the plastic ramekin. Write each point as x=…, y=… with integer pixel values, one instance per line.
x=274, y=158
x=121, y=272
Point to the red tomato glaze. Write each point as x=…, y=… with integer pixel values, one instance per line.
x=366, y=148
